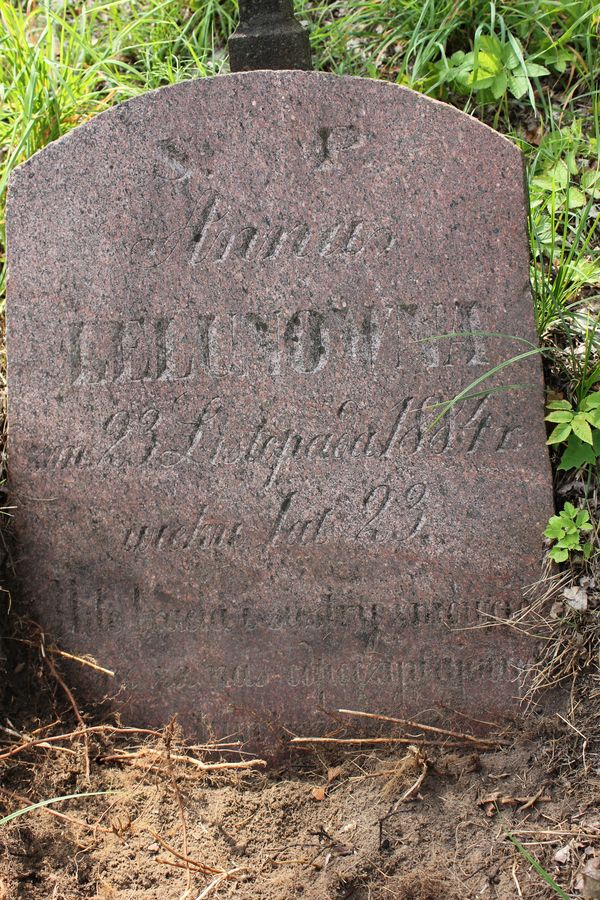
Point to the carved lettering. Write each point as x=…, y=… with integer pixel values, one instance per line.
x=216, y=233
x=351, y=433
x=205, y=534
x=189, y=347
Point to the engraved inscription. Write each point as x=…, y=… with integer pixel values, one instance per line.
x=189, y=347
x=211, y=435
x=233, y=486
x=216, y=233
x=371, y=623
x=335, y=141
x=205, y=533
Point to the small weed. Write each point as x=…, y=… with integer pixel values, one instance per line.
x=496, y=66
x=579, y=428
x=567, y=530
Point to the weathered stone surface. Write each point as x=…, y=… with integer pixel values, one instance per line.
x=219, y=396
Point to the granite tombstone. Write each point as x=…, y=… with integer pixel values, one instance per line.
x=222, y=385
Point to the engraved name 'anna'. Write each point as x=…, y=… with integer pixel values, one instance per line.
x=215, y=233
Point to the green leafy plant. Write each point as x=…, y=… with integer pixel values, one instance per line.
x=493, y=68
x=579, y=427
x=567, y=530
x=557, y=178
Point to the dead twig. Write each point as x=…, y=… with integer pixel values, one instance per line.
x=45, y=745
x=412, y=791
x=414, y=788
x=169, y=763
x=84, y=731
x=83, y=660
x=531, y=801
x=579, y=834
x=132, y=757
x=384, y=773
x=421, y=742
x=225, y=876
x=78, y=732
x=186, y=860
x=408, y=723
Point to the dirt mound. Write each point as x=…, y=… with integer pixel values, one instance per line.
x=419, y=823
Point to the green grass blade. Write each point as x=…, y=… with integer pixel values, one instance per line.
x=34, y=806
x=464, y=394
x=538, y=867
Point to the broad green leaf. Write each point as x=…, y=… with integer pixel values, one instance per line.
x=569, y=509
x=576, y=198
x=590, y=179
x=485, y=68
x=559, y=173
x=560, y=415
x=509, y=57
x=558, y=554
x=499, y=85
x=582, y=428
x=592, y=401
x=554, y=531
x=490, y=46
x=582, y=517
x=560, y=433
x=576, y=454
x=518, y=85
x=543, y=181
x=535, y=71
x=557, y=57
x=559, y=404
x=571, y=163
x=464, y=69
x=479, y=82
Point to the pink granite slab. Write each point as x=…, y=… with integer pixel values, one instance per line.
x=221, y=391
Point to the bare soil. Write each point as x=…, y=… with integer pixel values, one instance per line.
x=343, y=821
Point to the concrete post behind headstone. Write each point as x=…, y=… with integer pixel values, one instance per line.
x=221, y=387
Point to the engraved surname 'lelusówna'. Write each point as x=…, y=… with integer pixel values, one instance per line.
x=188, y=347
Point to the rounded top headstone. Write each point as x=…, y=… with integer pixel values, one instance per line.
x=229, y=318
